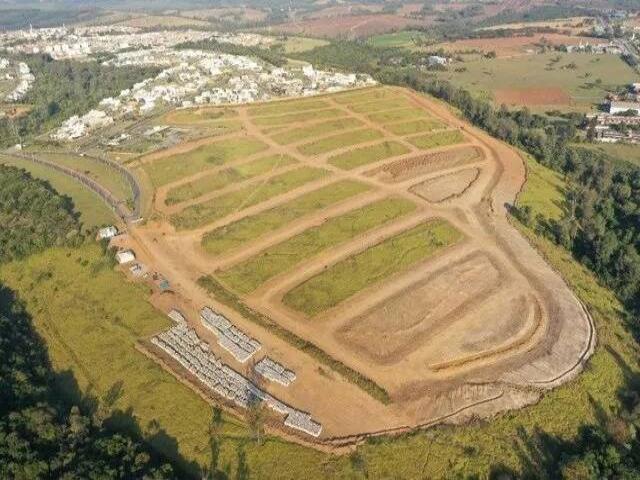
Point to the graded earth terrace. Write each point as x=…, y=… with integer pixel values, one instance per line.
x=362, y=240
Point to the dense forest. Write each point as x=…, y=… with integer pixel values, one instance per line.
x=65, y=88
x=41, y=434
x=33, y=215
x=601, y=224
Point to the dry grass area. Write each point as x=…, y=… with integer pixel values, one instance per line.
x=369, y=250
x=532, y=96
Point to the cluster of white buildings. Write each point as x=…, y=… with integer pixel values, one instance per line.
x=621, y=122
x=230, y=337
x=196, y=77
x=23, y=76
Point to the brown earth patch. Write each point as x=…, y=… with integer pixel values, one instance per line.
x=441, y=188
x=406, y=169
x=532, y=96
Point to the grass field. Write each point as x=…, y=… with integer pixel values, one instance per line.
x=93, y=211
x=341, y=140
x=253, y=272
x=301, y=44
x=349, y=276
x=287, y=107
x=168, y=169
x=315, y=130
x=398, y=115
x=545, y=191
x=226, y=177
x=365, y=155
x=415, y=126
x=87, y=313
x=403, y=39
x=439, y=139
x=293, y=118
x=585, y=78
x=367, y=95
x=200, y=115
x=379, y=105
x=106, y=176
x=617, y=152
x=206, y=212
x=250, y=228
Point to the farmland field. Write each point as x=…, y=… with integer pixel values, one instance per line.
x=571, y=81
x=441, y=139
x=317, y=129
x=339, y=141
x=415, y=126
x=393, y=255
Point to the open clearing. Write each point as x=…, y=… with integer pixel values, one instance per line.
x=378, y=262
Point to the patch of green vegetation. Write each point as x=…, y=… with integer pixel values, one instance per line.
x=192, y=116
x=341, y=140
x=365, y=155
x=226, y=177
x=316, y=130
x=206, y=212
x=620, y=153
x=544, y=192
x=586, y=78
x=398, y=115
x=93, y=211
x=301, y=44
x=248, y=275
x=229, y=299
x=367, y=95
x=287, y=107
x=380, y=105
x=294, y=118
x=250, y=228
x=102, y=173
x=415, y=126
x=439, y=139
x=347, y=277
x=403, y=39
x=168, y=169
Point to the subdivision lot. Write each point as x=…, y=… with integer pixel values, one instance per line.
x=218, y=207
x=440, y=139
x=250, y=228
x=339, y=141
x=315, y=130
x=226, y=177
x=253, y=272
x=356, y=273
x=365, y=155
x=168, y=169
x=371, y=226
x=190, y=116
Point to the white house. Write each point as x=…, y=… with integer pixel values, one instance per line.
x=621, y=107
x=125, y=256
x=107, y=232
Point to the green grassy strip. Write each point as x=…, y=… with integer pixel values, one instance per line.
x=279, y=108
x=219, y=207
x=253, y=272
x=250, y=228
x=365, y=155
x=416, y=126
x=349, y=276
x=440, y=139
x=226, y=177
x=297, y=117
x=338, y=141
x=227, y=298
x=324, y=128
x=397, y=115
x=380, y=105
x=166, y=170
x=199, y=115
x=365, y=95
